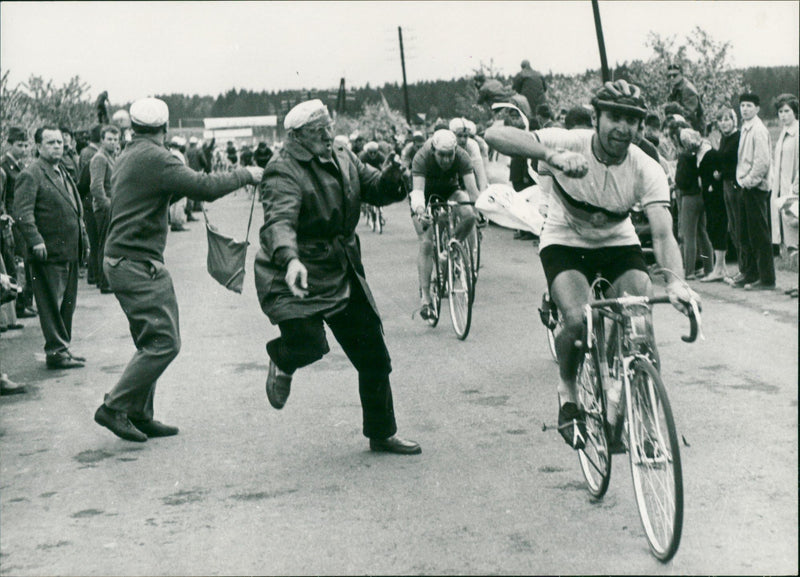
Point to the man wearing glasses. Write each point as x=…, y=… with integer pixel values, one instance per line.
x=309, y=267
x=684, y=93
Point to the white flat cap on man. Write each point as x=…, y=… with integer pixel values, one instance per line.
x=149, y=112
x=308, y=112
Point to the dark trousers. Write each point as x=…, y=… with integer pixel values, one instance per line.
x=55, y=287
x=756, y=236
x=731, y=194
x=144, y=290
x=358, y=330
x=102, y=218
x=716, y=216
x=91, y=231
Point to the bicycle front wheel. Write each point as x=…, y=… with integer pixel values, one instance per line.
x=436, y=290
x=595, y=457
x=459, y=277
x=655, y=460
x=475, y=254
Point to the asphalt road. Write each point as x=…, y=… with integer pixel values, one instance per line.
x=245, y=489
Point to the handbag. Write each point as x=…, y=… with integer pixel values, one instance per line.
x=226, y=256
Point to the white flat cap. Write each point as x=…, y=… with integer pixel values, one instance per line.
x=149, y=112
x=193, y=140
x=444, y=140
x=306, y=113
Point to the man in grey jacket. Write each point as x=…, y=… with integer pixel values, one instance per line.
x=146, y=177
x=100, y=169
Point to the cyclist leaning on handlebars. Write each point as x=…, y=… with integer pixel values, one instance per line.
x=597, y=178
x=436, y=170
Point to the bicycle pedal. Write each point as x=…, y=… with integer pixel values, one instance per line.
x=617, y=448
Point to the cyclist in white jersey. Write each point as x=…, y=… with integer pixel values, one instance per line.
x=597, y=178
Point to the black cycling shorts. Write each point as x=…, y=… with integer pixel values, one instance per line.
x=610, y=262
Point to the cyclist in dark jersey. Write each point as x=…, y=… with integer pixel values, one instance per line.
x=438, y=169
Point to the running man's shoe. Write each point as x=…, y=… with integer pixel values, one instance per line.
x=572, y=425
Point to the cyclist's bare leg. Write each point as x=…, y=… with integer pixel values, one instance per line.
x=633, y=282
x=424, y=259
x=465, y=215
x=570, y=291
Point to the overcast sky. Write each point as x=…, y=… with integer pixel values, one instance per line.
x=135, y=49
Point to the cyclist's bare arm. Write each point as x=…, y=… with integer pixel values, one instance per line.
x=417, y=196
x=515, y=142
x=668, y=255
x=472, y=186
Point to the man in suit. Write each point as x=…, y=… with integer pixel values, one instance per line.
x=50, y=216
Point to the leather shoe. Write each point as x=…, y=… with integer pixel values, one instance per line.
x=153, y=428
x=117, y=422
x=759, y=286
x=26, y=313
x=740, y=283
x=395, y=444
x=279, y=385
x=63, y=362
x=9, y=387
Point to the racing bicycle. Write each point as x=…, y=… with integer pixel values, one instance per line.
x=452, y=276
x=627, y=410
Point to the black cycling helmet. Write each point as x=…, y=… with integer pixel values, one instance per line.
x=619, y=96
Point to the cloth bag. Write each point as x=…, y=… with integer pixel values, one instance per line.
x=226, y=256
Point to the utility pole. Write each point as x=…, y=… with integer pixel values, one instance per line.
x=405, y=84
x=600, y=42
x=341, y=98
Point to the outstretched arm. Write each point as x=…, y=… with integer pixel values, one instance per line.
x=515, y=142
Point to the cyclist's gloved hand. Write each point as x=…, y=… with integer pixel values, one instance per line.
x=572, y=164
x=680, y=295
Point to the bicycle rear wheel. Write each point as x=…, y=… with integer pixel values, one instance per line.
x=595, y=457
x=459, y=277
x=655, y=460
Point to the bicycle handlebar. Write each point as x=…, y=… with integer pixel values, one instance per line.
x=440, y=203
x=694, y=310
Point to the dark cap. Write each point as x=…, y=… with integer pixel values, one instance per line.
x=750, y=97
x=675, y=67
x=16, y=134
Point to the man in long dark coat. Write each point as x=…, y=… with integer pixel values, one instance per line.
x=309, y=267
